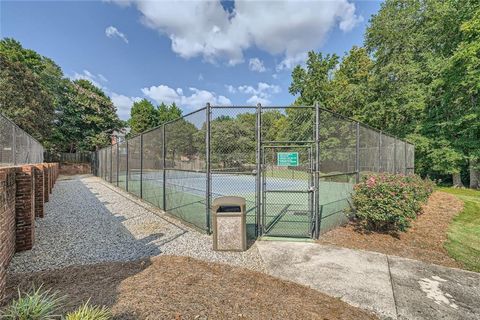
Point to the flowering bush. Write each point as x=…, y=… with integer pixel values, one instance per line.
x=388, y=202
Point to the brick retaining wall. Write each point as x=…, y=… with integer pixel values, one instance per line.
x=23, y=192
x=24, y=207
x=46, y=181
x=7, y=222
x=39, y=175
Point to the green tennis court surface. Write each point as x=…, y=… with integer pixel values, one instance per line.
x=285, y=214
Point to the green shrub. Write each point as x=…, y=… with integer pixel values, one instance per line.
x=388, y=202
x=33, y=305
x=88, y=312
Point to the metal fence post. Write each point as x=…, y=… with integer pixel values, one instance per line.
x=394, y=155
x=357, y=153
x=97, y=163
x=14, y=146
x=207, y=158
x=380, y=151
x=111, y=164
x=258, y=176
x=141, y=166
x=405, y=154
x=118, y=163
x=413, y=159
x=164, y=164
x=317, y=173
x=126, y=171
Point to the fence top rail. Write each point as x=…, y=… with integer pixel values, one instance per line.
x=233, y=107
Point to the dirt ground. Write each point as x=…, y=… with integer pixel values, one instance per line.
x=170, y=287
x=423, y=241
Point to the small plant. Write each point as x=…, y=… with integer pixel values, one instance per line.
x=89, y=312
x=388, y=202
x=34, y=305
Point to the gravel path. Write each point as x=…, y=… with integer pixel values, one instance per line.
x=89, y=221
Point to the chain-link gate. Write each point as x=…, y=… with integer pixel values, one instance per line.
x=287, y=191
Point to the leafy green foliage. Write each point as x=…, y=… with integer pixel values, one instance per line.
x=418, y=76
x=312, y=83
x=350, y=86
x=388, y=202
x=182, y=139
x=34, y=305
x=233, y=141
x=65, y=116
x=87, y=119
x=89, y=312
x=143, y=116
x=24, y=96
x=167, y=113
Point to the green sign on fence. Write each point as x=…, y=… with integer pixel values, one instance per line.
x=287, y=159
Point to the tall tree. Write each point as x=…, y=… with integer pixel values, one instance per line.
x=312, y=84
x=350, y=86
x=417, y=77
x=458, y=114
x=143, y=116
x=23, y=100
x=87, y=119
x=401, y=72
x=32, y=86
x=167, y=113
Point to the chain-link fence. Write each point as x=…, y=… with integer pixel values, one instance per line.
x=17, y=146
x=295, y=166
x=68, y=157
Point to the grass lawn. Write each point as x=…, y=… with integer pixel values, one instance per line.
x=463, y=242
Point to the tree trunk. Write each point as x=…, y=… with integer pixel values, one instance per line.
x=457, y=180
x=474, y=174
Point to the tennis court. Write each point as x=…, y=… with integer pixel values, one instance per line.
x=295, y=166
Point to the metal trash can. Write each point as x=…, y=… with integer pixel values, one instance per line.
x=229, y=224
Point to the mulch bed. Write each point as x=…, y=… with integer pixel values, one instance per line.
x=170, y=287
x=423, y=241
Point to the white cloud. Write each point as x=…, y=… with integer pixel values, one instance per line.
x=113, y=32
x=290, y=62
x=254, y=100
x=123, y=104
x=256, y=64
x=283, y=27
x=259, y=94
x=197, y=98
x=102, y=77
x=231, y=88
x=262, y=89
x=200, y=77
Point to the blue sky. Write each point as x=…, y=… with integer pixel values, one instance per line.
x=187, y=52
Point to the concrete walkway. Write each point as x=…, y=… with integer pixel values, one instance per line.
x=391, y=287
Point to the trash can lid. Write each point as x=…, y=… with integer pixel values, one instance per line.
x=231, y=201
